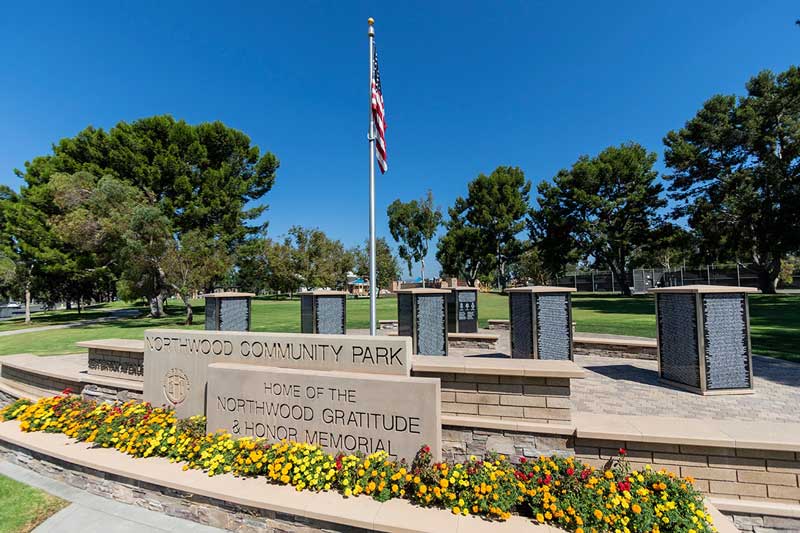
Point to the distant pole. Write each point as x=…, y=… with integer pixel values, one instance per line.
x=372, y=275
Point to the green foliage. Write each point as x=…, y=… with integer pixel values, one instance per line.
x=530, y=269
x=317, y=260
x=736, y=169
x=132, y=204
x=482, y=231
x=413, y=224
x=605, y=208
x=386, y=264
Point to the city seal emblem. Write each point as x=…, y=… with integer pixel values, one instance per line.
x=176, y=386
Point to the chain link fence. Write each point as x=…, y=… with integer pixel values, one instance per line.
x=642, y=279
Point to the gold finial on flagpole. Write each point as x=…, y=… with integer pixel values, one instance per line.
x=371, y=21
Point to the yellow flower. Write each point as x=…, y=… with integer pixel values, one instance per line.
x=598, y=514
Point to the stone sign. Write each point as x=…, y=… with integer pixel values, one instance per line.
x=176, y=361
x=341, y=412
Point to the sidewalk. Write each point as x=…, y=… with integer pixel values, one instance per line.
x=89, y=513
x=113, y=315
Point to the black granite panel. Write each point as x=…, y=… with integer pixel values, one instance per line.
x=431, y=324
x=330, y=314
x=521, y=310
x=552, y=320
x=725, y=333
x=677, y=332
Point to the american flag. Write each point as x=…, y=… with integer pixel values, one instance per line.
x=378, y=113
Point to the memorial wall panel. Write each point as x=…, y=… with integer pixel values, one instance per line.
x=553, y=326
x=521, y=309
x=431, y=325
x=677, y=333
x=725, y=332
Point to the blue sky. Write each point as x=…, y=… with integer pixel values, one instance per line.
x=468, y=86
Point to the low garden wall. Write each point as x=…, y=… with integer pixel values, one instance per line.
x=501, y=389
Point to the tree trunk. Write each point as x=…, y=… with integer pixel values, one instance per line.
x=157, y=306
x=189, y=312
x=422, y=267
x=767, y=281
x=27, y=304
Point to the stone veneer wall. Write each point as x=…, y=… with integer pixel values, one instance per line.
x=202, y=509
x=750, y=523
x=744, y=474
x=615, y=350
x=116, y=363
x=459, y=443
x=530, y=399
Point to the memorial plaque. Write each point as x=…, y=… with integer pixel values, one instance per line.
x=431, y=326
x=228, y=311
x=521, y=324
x=677, y=327
x=331, y=315
x=540, y=322
x=725, y=333
x=553, y=327
x=422, y=315
x=462, y=310
x=341, y=412
x=234, y=314
x=704, y=338
x=176, y=361
x=323, y=312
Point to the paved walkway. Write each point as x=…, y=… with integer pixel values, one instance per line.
x=89, y=513
x=113, y=315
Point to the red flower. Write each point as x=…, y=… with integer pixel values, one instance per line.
x=585, y=474
x=426, y=449
x=66, y=391
x=523, y=460
x=570, y=471
x=623, y=451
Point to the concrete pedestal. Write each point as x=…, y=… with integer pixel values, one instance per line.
x=462, y=310
x=422, y=315
x=704, y=338
x=541, y=322
x=323, y=312
x=228, y=311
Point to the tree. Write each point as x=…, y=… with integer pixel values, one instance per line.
x=250, y=268
x=318, y=260
x=27, y=241
x=385, y=262
x=530, y=268
x=486, y=224
x=461, y=251
x=280, y=268
x=190, y=265
x=413, y=224
x=199, y=178
x=736, y=173
x=606, y=207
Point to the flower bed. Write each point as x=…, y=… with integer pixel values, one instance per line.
x=554, y=490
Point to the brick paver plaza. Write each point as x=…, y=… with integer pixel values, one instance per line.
x=631, y=387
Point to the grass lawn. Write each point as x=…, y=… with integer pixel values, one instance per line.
x=774, y=319
x=22, y=507
x=52, y=318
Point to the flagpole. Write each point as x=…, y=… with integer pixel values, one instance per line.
x=372, y=277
